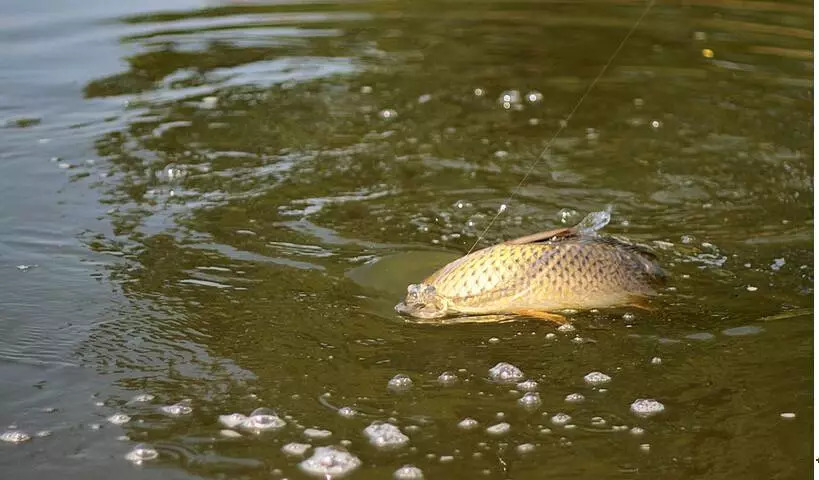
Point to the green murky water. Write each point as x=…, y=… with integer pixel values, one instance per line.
x=222, y=202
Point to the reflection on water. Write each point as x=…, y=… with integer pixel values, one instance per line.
x=278, y=173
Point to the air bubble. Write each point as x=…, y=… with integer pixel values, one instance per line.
x=399, y=383
x=330, y=462
x=598, y=421
x=787, y=415
x=655, y=124
x=141, y=453
x=388, y=114
x=596, y=378
x=628, y=316
x=509, y=97
x=525, y=448
x=534, y=96
x=502, y=208
x=637, y=431
x=424, y=98
x=230, y=433
x=261, y=420
x=505, y=373
x=656, y=361
x=478, y=92
x=646, y=407
x=385, y=435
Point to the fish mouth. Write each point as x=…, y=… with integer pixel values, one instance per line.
x=423, y=310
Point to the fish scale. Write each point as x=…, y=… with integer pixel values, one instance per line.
x=574, y=273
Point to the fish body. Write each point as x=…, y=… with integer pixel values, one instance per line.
x=547, y=272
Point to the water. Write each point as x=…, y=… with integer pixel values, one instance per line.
x=222, y=202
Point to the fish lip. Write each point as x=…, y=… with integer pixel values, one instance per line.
x=416, y=312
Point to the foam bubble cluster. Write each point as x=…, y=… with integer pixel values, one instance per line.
x=505, y=373
x=399, y=383
x=646, y=407
x=347, y=412
x=596, y=378
x=575, y=398
x=119, y=419
x=447, y=378
x=561, y=418
x=330, y=462
x=408, y=472
x=385, y=435
x=499, y=429
x=14, y=436
x=177, y=409
x=530, y=400
x=141, y=453
x=527, y=386
x=468, y=424
x=295, y=449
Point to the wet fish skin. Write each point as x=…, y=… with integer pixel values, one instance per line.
x=562, y=269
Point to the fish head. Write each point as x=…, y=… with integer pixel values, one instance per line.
x=422, y=301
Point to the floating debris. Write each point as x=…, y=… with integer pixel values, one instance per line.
x=230, y=433
x=399, y=383
x=385, y=435
x=505, y=373
x=408, y=472
x=499, y=429
x=296, y=449
x=141, y=453
x=777, y=264
x=656, y=361
x=646, y=447
x=525, y=448
x=751, y=288
x=637, y=431
x=330, y=462
x=596, y=378
x=142, y=398
x=646, y=407
x=14, y=436
x=788, y=415
x=598, y=421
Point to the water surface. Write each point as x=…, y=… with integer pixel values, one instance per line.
x=222, y=202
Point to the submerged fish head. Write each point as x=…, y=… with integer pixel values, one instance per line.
x=422, y=301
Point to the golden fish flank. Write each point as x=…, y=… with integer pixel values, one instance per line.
x=535, y=275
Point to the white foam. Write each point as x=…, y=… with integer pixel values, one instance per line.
x=646, y=407
x=141, y=453
x=14, y=436
x=385, y=435
x=330, y=462
x=499, y=429
x=468, y=424
x=294, y=449
x=408, y=472
x=596, y=378
x=399, y=383
x=505, y=373
x=561, y=418
x=529, y=400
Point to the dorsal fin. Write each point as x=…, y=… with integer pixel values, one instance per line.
x=544, y=236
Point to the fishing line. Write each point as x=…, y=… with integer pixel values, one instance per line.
x=563, y=124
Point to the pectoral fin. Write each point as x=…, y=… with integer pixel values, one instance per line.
x=551, y=317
